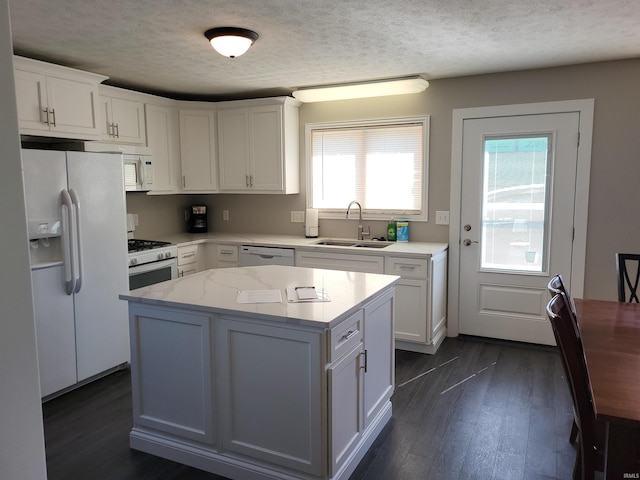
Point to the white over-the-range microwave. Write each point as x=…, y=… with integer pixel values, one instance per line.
x=138, y=164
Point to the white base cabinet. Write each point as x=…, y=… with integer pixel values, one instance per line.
x=421, y=303
x=249, y=398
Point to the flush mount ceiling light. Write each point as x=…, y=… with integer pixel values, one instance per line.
x=231, y=41
x=381, y=88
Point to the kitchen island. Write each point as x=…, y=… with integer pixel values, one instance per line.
x=272, y=388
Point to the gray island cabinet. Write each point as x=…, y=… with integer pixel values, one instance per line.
x=273, y=390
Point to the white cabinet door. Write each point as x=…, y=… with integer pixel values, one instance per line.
x=270, y=393
x=73, y=104
x=379, y=377
x=265, y=147
x=171, y=377
x=164, y=139
x=346, y=421
x=198, y=154
x=31, y=97
x=233, y=135
x=122, y=120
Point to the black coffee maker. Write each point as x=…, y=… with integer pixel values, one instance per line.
x=198, y=219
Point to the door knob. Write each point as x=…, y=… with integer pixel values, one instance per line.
x=468, y=242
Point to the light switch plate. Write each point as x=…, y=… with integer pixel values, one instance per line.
x=442, y=217
x=225, y=215
x=297, y=216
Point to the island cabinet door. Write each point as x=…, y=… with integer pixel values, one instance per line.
x=379, y=374
x=270, y=393
x=171, y=373
x=346, y=419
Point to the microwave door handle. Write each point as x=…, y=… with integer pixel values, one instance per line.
x=67, y=249
x=78, y=232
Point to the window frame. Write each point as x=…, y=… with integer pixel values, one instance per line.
x=368, y=215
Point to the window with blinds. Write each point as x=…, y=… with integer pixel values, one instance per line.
x=382, y=164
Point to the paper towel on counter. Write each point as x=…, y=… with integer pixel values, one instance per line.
x=311, y=223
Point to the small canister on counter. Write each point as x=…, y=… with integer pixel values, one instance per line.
x=402, y=231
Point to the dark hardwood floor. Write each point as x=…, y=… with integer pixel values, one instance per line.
x=478, y=409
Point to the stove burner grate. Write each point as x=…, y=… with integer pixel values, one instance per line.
x=136, y=245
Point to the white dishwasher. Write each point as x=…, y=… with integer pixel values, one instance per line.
x=251, y=255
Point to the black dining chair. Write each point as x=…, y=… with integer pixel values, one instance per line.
x=626, y=264
x=590, y=454
x=556, y=286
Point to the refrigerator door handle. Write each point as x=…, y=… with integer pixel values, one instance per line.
x=76, y=205
x=67, y=240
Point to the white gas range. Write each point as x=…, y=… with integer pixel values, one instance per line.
x=150, y=262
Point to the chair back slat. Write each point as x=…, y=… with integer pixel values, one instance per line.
x=624, y=264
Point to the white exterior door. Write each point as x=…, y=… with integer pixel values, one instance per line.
x=516, y=221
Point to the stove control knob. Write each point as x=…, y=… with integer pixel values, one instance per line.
x=134, y=261
x=167, y=255
x=160, y=256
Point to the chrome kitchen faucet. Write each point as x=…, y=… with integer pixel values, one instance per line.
x=361, y=232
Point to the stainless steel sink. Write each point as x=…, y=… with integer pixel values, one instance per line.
x=353, y=243
x=337, y=243
x=372, y=244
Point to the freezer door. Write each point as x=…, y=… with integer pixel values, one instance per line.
x=55, y=330
x=102, y=335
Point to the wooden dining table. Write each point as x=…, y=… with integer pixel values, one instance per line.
x=611, y=338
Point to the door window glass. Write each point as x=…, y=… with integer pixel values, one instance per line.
x=515, y=198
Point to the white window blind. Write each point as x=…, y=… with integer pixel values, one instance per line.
x=381, y=165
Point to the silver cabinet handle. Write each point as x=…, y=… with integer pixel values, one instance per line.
x=350, y=334
x=251, y=180
x=53, y=113
x=46, y=115
x=407, y=267
x=117, y=130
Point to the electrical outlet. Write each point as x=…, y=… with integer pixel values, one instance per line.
x=442, y=217
x=297, y=216
x=225, y=215
x=136, y=220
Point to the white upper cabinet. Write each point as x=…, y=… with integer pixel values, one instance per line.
x=258, y=146
x=121, y=117
x=56, y=101
x=163, y=136
x=198, y=156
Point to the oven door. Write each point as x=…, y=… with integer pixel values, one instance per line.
x=150, y=273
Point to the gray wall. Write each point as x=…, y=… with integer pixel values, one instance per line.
x=21, y=431
x=615, y=166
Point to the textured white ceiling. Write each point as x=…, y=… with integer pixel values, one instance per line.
x=159, y=46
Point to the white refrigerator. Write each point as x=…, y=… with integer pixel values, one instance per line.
x=76, y=214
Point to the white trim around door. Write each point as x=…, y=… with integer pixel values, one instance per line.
x=585, y=108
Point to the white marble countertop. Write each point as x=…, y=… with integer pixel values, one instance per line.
x=216, y=291
x=292, y=241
